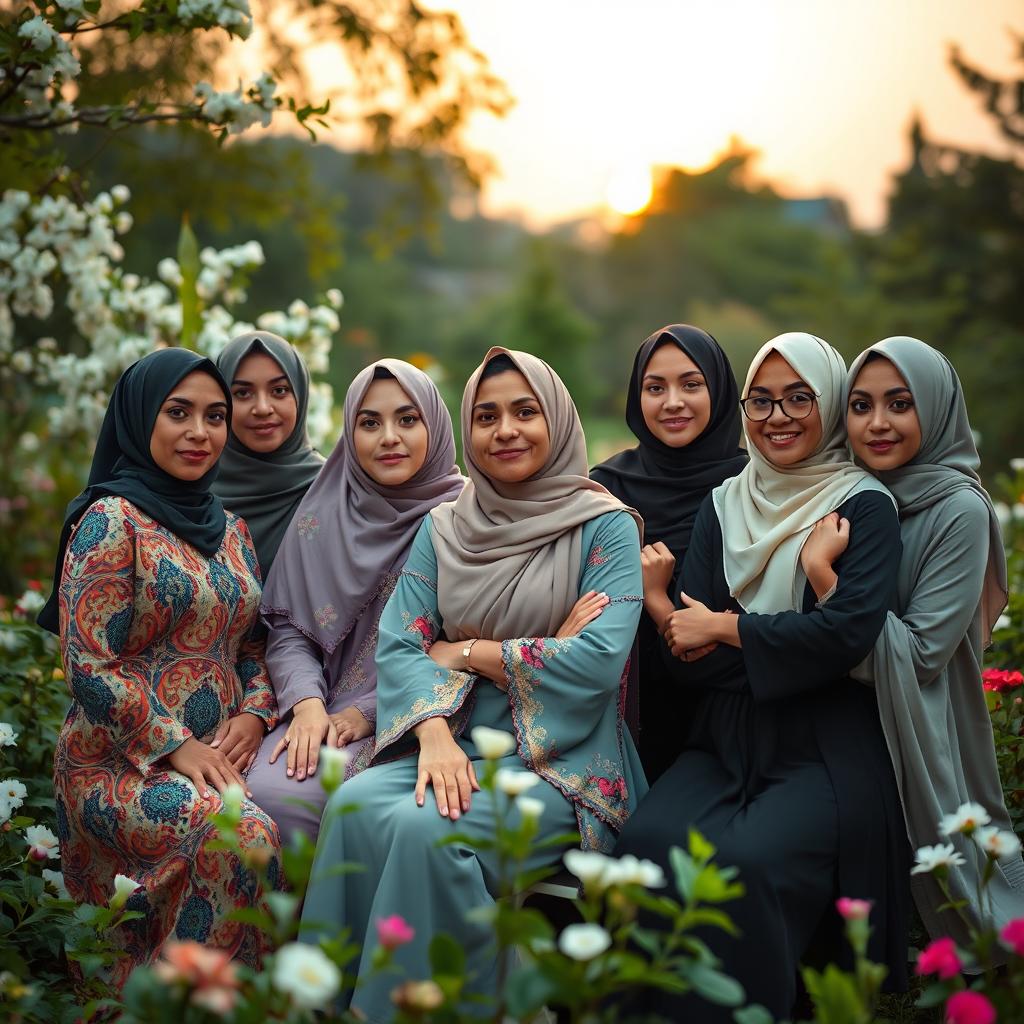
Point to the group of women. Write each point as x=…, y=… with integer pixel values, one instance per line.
x=799, y=625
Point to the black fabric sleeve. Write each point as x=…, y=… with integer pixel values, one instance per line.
x=789, y=653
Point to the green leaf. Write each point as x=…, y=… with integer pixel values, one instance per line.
x=715, y=986
x=528, y=989
x=188, y=261
x=447, y=957
x=685, y=871
x=755, y=1013
x=700, y=849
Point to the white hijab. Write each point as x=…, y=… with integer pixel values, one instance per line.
x=766, y=512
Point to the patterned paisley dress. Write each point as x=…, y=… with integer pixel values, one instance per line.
x=155, y=649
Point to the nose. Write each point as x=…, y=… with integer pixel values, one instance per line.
x=879, y=418
x=778, y=417
x=389, y=436
x=507, y=428
x=197, y=429
x=262, y=406
x=674, y=398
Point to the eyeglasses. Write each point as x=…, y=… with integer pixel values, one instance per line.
x=796, y=406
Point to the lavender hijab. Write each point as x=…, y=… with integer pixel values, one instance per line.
x=349, y=533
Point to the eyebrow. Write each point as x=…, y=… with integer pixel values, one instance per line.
x=401, y=408
x=788, y=387
x=273, y=380
x=178, y=400
x=689, y=373
x=888, y=394
x=494, y=405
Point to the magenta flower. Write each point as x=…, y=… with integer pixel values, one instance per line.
x=1013, y=936
x=394, y=931
x=853, y=910
x=969, y=1008
x=940, y=958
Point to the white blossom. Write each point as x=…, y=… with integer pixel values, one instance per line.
x=996, y=842
x=1017, y=465
x=493, y=744
x=31, y=602
x=335, y=298
x=42, y=843
x=588, y=866
x=332, y=765
x=39, y=32
x=8, y=737
x=530, y=807
x=55, y=881
x=928, y=858
x=123, y=888
x=306, y=974
x=514, y=782
x=584, y=941
x=966, y=819
x=630, y=870
x=1003, y=622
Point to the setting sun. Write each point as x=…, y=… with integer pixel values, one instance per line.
x=629, y=189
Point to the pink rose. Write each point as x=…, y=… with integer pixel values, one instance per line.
x=939, y=958
x=853, y=910
x=1013, y=936
x=394, y=931
x=969, y=1008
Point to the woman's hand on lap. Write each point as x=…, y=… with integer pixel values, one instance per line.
x=205, y=766
x=309, y=730
x=350, y=726
x=239, y=739
x=444, y=764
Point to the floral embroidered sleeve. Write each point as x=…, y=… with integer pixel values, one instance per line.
x=410, y=686
x=561, y=691
x=110, y=685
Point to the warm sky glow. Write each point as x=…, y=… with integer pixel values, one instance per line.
x=629, y=189
x=824, y=90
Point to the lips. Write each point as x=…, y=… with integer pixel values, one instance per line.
x=882, y=446
x=194, y=455
x=783, y=438
x=265, y=428
x=677, y=422
x=392, y=459
x=508, y=454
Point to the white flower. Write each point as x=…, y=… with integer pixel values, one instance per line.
x=8, y=737
x=31, y=602
x=1017, y=465
x=966, y=819
x=55, y=880
x=928, y=858
x=42, y=843
x=514, y=782
x=997, y=842
x=12, y=796
x=335, y=298
x=588, y=866
x=333, y=762
x=630, y=870
x=10, y=642
x=123, y=888
x=306, y=974
x=1003, y=622
x=584, y=941
x=529, y=807
x=29, y=442
x=38, y=32
x=493, y=744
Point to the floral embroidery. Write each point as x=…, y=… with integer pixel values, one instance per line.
x=611, y=788
x=325, y=616
x=424, y=625
x=532, y=652
x=597, y=557
x=308, y=526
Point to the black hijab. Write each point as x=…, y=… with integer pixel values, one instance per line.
x=664, y=484
x=122, y=463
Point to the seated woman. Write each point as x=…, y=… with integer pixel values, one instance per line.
x=683, y=407
x=487, y=626
x=158, y=590
x=784, y=767
x=335, y=570
x=269, y=463
x=907, y=423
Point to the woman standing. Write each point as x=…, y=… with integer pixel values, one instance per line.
x=269, y=463
x=336, y=568
x=487, y=626
x=907, y=423
x=784, y=766
x=683, y=408
x=158, y=590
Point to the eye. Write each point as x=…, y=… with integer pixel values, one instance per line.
x=859, y=406
x=282, y=391
x=409, y=420
x=216, y=417
x=242, y=394
x=526, y=412
x=368, y=423
x=654, y=389
x=693, y=385
x=760, y=404
x=176, y=412
x=484, y=418
x=800, y=398
x=902, y=405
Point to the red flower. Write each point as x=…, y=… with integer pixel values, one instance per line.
x=612, y=788
x=394, y=931
x=998, y=680
x=969, y=1008
x=1013, y=936
x=528, y=652
x=939, y=958
x=853, y=910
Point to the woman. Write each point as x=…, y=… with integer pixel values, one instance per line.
x=907, y=423
x=336, y=568
x=487, y=626
x=158, y=589
x=269, y=463
x=683, y=408
x=784, y=766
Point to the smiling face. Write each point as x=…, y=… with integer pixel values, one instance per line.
x=390, y=436
x=264, y=409
x=881, y=419
x=674, y=397
x=191, y=428
x=509, y=436
x=784, y=440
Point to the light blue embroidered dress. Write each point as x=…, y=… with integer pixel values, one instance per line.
x=564, y=705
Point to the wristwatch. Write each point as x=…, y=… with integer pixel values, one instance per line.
x=467, y=649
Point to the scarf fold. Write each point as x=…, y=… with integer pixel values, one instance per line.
x=508, y=555
x=667, y=485
x=767, y=512
x=265, y=488
x=122, y=464
x=349, y=532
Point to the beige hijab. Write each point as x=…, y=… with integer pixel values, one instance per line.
x=767, y=512
x=508, y=555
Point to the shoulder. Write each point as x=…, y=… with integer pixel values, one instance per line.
x=610, y=534
x=234, y=523
x=967, y=507
x=870, y=503
x=107, y=520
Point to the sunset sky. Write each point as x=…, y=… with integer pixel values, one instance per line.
x=824, y=89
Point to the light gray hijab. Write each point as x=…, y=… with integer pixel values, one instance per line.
x=766, y=511
x=928, y=681
x=265, y=488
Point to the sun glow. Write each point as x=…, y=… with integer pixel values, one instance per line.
x=629, y=189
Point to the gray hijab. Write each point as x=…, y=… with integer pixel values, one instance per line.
x=349, y=532
x=926, y=664
x=266, y=488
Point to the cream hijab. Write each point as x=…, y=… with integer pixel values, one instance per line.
x=766, y=512
x=508, y=555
